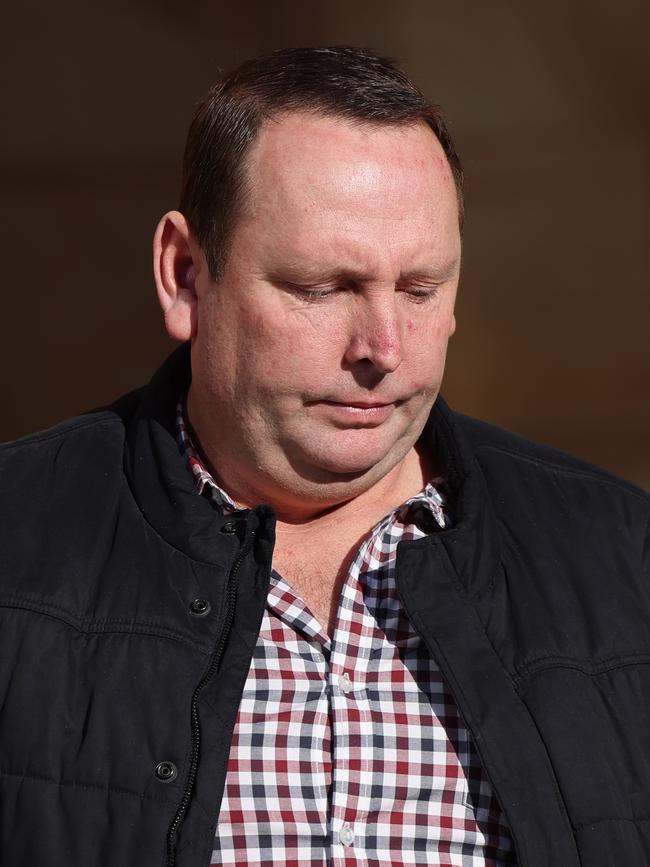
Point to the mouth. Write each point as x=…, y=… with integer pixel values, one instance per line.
x=356, y=413
x=357, y=404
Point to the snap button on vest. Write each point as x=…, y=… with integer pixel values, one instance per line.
x=166, y=772
x=229, y=527
x=200, y=607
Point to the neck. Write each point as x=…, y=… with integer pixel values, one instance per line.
x=314, y=554
x=300, y=500
x=364, y=509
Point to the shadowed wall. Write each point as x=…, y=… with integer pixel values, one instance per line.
x=549, y=108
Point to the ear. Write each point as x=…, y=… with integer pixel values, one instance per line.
x=452, y=326
x=177, y=260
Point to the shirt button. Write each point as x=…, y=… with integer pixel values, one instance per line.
x=346, y=834
x=345, y=684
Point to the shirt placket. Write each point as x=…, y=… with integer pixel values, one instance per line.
x=350, y=715
x=352, y=729
x=285, y=605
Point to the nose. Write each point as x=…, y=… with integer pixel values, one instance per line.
x=375, y=333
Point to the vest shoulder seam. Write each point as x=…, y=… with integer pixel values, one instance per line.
x=594, y=475
x=63, y=429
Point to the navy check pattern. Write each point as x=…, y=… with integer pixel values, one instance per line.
x=351, y=751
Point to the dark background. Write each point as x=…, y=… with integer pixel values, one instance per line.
x=548, y=103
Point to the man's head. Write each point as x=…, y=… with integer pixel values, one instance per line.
x=319, y=326
x=347, y=83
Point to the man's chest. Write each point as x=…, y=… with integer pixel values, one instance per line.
x=315, y=574
x=341, y=737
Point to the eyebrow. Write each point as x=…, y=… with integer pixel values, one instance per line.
x=438, y=273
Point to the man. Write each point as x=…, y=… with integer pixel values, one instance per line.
x=283, y=606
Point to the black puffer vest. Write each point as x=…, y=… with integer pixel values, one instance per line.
x=129, y=612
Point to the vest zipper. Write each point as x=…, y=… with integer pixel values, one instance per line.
x=231, y=597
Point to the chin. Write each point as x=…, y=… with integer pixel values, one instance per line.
x=342, y=464
x=343, y=470
x=338, y=455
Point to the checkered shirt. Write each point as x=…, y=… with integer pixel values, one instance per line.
x=351, y=750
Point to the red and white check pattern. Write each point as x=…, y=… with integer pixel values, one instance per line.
x=352, y=751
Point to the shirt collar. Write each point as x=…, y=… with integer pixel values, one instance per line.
x=203, y=479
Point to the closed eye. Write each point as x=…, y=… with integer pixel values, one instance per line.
x=314, y=292
x=420, y=293
x=318, y=291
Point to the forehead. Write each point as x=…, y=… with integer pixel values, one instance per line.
x=348, y=185
x=330, y=153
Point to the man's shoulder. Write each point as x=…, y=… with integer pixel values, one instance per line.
x=61, y=491
x=86, y=426
x=85, y=443
x=505, y=456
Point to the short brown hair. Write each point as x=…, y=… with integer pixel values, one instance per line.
x=339, y=81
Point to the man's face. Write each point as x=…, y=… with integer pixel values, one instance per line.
x=320, y=351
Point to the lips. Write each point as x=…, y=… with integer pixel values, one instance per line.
x=356, y=413
x=357, y=404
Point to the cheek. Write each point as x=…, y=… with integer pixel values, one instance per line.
x=302, y=340
x=258, y=334
x=427, y=348
x=259, y=331
x=424, y=333
x=281, y=354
